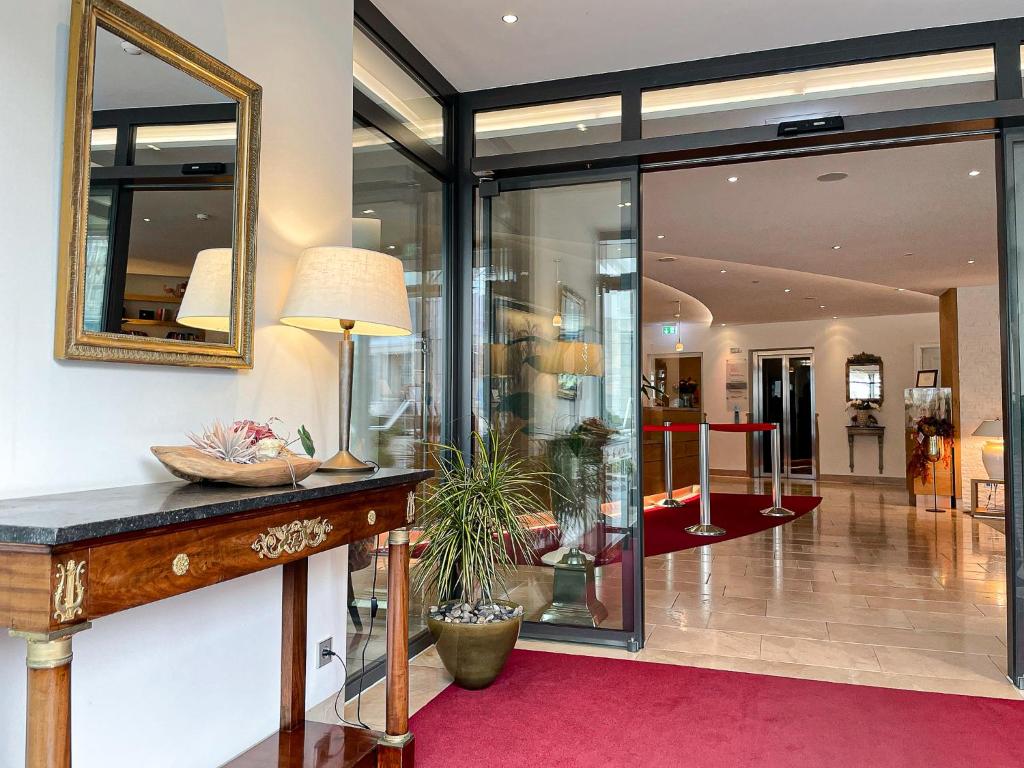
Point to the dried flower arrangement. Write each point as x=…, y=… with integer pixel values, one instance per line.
x=248, y=442
x=863, y=405
x=246, y=452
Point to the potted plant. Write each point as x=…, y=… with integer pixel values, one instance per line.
x=862, y=411
x=476, y=519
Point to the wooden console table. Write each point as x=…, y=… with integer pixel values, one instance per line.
x=68, y=559
x=853, y=432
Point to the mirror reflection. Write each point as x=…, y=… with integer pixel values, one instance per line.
x=864, y=378
x=161, y=192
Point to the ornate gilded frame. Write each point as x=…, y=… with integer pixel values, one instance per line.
x=864, y=358
x=72, y=341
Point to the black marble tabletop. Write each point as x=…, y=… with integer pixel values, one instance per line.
x=66, y=518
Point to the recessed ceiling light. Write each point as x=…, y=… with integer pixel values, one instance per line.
x=723, y=271
x=821, y=306
x=970, y=261
x=836, y=247
x=154, y=147
x=369, y=210
x=835, y=317
x=974, y=172
x=733, y=179
x=666, y=259
x=581, y=126
x=787, y=290
x=391, y=247
x=147, y=219
x=203, y=216
x=510, y=18
x=627, y=204
x=722, y=325
x=832, y=176
x=661, y=237
x=901, y=289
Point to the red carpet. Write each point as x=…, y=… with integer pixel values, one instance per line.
x=549, y=710
x=739, y=513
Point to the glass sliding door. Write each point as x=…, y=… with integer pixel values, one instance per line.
x=555, y=371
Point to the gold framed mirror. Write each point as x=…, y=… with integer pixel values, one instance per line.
x=864, y=378
x=159, y=195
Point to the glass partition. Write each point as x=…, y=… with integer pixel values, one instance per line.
x=555, y=372
x=397, y=208
x=548, y=126
x=384, y=80
x=878, y=86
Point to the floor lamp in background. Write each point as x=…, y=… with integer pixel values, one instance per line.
x=351, y=291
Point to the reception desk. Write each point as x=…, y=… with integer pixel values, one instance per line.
x=685, y=459
x=69, y=559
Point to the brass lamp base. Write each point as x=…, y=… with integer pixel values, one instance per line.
x=344, y=461
x=574, y=594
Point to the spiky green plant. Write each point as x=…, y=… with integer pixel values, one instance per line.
x=467, y=514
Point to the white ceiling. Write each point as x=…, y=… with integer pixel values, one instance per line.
x=776, y=226
x=474, y=49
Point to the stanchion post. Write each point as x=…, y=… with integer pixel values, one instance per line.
x=669, y=501
x=705, y=527
x=776, y=509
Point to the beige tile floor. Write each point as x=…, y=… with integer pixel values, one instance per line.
x=866, y=590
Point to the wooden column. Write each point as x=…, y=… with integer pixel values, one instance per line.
x=396, y=748
x=48, y=711
x=293, y=644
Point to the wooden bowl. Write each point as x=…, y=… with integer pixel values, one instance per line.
x=195, y=466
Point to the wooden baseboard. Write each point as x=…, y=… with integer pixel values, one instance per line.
x=729, y=473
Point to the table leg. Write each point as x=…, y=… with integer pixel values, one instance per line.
x=293, y=644
x=48, y=712
x=849, y=439
x=396, y=746
x=881, y=454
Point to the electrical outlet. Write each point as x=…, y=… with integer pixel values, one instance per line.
x=323, y=658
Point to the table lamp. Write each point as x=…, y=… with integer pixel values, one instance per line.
x=350, y=291
x=992, y=451
x=207, y=300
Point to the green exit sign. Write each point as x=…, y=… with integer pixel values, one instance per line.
x=668, y=330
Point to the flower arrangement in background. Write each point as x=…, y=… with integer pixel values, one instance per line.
x=248, y=442
x=863, y=405
x=929, y=426
x=862, y=409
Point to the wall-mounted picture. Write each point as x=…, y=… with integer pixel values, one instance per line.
x=929, y=378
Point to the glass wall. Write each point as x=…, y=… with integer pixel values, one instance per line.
x=380, y=76
x=548, y=126
x=555, y=319
x=397, y=208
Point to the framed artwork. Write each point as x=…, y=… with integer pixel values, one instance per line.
x=929, y=378
x=573, y=307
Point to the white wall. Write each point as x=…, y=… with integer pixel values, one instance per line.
x=891, y=337
x=193, y=680
x=981, y=393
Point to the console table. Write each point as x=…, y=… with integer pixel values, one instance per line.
x=68, y=559
x=853, y=431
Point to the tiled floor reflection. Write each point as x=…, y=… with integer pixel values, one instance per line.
x=865, y=590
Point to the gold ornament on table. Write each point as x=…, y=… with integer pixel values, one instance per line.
x=245, y=453
x=292, y=538
x=69, y=592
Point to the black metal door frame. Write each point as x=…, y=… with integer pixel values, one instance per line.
x=631, y=636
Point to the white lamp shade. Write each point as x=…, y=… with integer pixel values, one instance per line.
x=337, y=283
x=989, y=428
x=366, y=233
x=207, y=300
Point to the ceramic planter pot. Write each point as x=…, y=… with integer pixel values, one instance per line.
x=474, y=654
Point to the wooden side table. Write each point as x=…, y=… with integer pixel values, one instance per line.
x=853, y=431
x=975, y=482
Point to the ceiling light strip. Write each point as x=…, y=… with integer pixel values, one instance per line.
x=824, y=149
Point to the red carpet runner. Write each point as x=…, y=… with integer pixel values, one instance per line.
x=549, y=710
x=739, y=513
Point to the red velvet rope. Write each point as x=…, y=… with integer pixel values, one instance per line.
x=714, y=427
